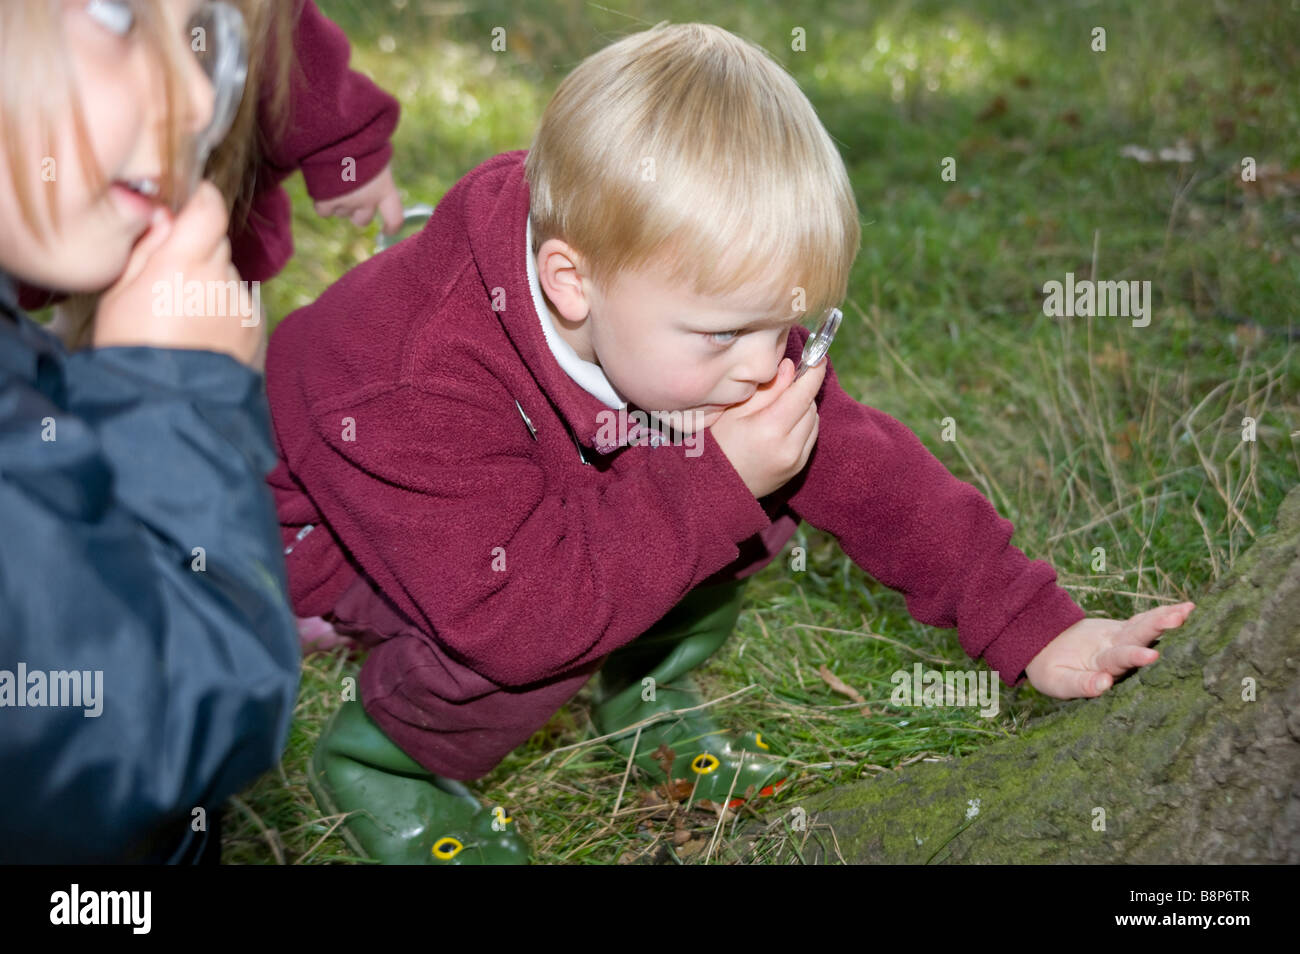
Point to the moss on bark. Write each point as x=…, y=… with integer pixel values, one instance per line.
x=1175, y=764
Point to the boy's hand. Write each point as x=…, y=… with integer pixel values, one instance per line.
x=769, y=438
x=1085, y=659
x=360, y=205
x=138, y=310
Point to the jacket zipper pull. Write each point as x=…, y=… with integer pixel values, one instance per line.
x=531, y=430
x=307, y=528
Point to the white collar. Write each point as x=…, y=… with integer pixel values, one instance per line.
x=588, y=374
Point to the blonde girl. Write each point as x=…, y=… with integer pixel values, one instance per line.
x=148, y=661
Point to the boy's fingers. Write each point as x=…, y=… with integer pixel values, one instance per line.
x=812, y=378
x=362, y=216
x=1120, y=659
x=801, y=394
x=770, y=392
x=811, y=439
x=1146, y=627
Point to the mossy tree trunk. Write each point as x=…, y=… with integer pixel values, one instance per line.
x=1175, y=764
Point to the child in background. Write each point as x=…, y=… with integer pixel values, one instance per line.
x=335, y=127
x=148, y=662
x=465, y=482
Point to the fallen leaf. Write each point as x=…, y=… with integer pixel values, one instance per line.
x=960, y=197
x=678, y=790
x=652, y=799
x=974, y=144
x=655, y=806
x=994, y=109
x=1248, y=334
x=691, y=849
x=665, y=757
x=843, y=688
x=1111, y=357
x=1271, y=180
x=1126, y=439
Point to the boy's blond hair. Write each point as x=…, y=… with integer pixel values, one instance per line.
x=687, y=147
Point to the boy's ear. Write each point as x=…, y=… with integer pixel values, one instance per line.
x=562, y=275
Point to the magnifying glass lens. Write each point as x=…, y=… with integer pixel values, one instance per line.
x=219, y=39
x=819, y=342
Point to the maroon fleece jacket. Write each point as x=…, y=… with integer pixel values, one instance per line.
x=334, y=113
x=394, y=403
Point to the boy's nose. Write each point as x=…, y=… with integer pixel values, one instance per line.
x=759, y=363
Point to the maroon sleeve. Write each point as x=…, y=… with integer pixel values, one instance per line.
x=902, y=517
x=335, y=113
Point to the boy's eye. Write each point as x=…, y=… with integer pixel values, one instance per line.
x=715, y=335
x=117, y=16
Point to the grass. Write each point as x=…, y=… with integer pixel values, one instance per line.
x=1085, y=433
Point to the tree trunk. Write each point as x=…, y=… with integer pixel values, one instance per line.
x=1178, y=763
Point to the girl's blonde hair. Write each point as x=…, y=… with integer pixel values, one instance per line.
x=259, y=122
x=34, y=70
x=687, y=147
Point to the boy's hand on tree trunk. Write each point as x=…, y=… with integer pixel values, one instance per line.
x=1085, y=660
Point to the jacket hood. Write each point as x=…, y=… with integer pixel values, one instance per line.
x=498, y=192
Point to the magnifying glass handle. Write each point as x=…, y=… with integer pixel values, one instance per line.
x=412, y=216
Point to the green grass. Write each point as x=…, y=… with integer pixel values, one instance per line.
x=1084, y=433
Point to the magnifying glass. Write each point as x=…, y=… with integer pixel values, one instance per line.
x=817, y=345
x=412, y=218
x=219, y=38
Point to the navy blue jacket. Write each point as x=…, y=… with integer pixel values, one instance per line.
x=116, y=466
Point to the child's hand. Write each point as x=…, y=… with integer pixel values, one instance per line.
x=1083, y=660
x=139, y=309
x=380, y=193
x=769, y=438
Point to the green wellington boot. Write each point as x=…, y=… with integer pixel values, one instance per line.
x=403, y=814
x=706, y=755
